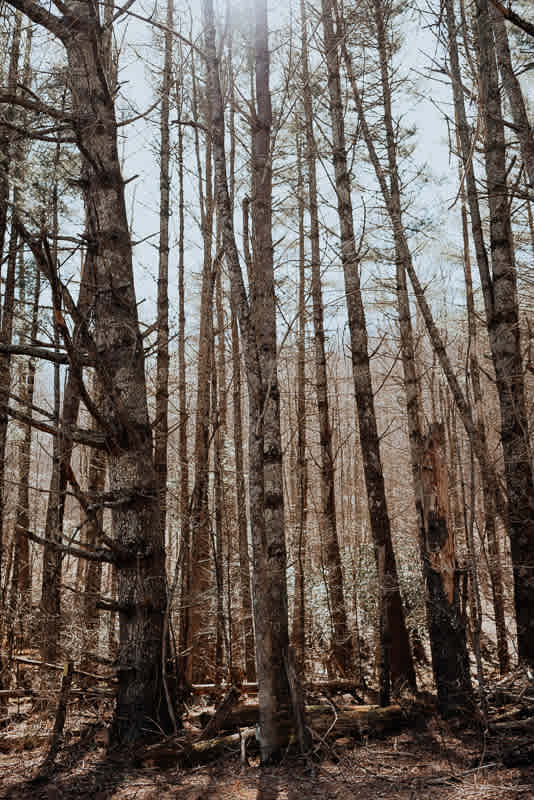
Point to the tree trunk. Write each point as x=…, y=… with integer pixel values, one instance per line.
x=341, y=644
x=395, y=654
x=512, y=87
x=6, y=329
x=450, y=660
x=93, y=526
x=162, y=366
x=258, y=328
x=504, y=336
x=21, y=600
x=301, y=470
x=241, y=511
x=201, y=635
x=490, y=532
x=265, y=451
x=140, y=549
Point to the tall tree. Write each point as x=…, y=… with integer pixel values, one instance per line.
x=500, y=296
x=136, y=545
x=396, y=663
x=390, y=185
x=257, y=320
x=162, y=376
x=341, y=643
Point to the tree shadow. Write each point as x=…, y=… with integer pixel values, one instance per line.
x=105, y=773
x=268, y=785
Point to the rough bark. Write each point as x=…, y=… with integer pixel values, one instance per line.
x=450, y=659
x=120, y=362
x=265, y=451
x=505, y=342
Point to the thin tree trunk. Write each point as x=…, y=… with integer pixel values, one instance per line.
x=504, y=336
x=490, y=531
x=6, y=329
x=93, y=576
x=21, y=600
x=512, y=87
x=241, y=510
x=200, y=602
x=341, y=644
x=6, y=137
x=299, y=607
x=162, y=367
x=185, y=530
x=395, y=654
x=258, y=329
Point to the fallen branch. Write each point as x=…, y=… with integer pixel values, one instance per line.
x=172, y=752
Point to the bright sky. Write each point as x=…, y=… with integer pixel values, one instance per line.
x=141, y=141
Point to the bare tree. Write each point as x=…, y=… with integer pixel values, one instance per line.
x=136, y=545
x=395, y=656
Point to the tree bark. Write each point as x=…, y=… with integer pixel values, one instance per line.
x=201, y=598
x=505, y=342
x=141, y=576
x=241, y=510
x=21, y=601
x=299, y=631
x=450, y=660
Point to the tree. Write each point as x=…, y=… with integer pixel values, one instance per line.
x=257, y=321
x=396, y=659
x=341, y=644
x=136, y=545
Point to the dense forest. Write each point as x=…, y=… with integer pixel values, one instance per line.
x=266, y=391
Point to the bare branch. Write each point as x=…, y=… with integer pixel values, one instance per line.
x=42, y=17
x=78, y=435
x=99, y=555
x=47, y=355
x=37, y=106
x=514, y=18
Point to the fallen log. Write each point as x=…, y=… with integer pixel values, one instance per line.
x=327, y=687
x=326, y=721
x=344, y=721
x=9, y=693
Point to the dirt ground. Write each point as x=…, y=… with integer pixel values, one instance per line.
x=441, y=760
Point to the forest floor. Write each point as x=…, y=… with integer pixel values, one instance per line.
x=436, y=759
